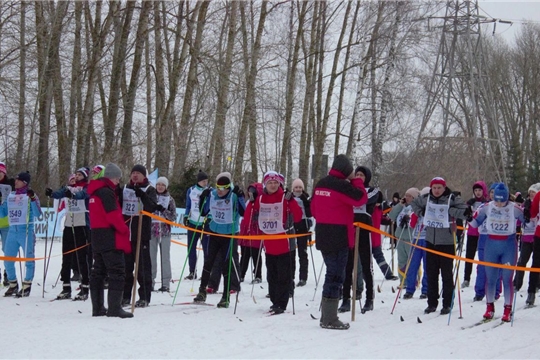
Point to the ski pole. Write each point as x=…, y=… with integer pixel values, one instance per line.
x=355, y=273
x=317, y=285
x=137, y=255
x=310, y=245
x=46, y=239
x=456, y=282
x=48, y=260
x=405, y=276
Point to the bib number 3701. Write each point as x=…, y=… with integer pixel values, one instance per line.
x=269, y=225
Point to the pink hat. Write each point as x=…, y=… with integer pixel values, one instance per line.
x=97, y=169
x=272, y=175
x=3, y=168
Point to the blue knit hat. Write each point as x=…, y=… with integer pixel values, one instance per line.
x=500, y=193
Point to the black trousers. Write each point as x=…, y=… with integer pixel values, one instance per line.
x=436, y=264
x=219, y=249
x=470, y=252
x=301, y=243
x=524, y=256
x=144, y=276
x=279, y=277
x=534, y=276
x=109, y=264
x=253, y=253
x=72, y=238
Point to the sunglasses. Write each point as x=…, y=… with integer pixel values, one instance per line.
x=223, y=187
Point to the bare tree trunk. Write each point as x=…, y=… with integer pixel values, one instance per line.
x=342, y=88
x=249, y=117
x=217, y=141
x=290, y=92
x=182, y=150
x=121, y=34
x=126, y=146
x=22, y=90
x=377, y=150
x=148, y=75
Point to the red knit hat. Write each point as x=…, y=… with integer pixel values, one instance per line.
x=437, y=180
x=3, y=168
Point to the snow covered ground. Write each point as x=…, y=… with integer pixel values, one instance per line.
x=35, y=327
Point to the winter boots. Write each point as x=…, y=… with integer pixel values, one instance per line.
x=66, y=293
x=83, y=294
x=26, y=288
x=530, y=299
x=507, y=313
x=430, y=309
x=142, y=303
x=368, y=306
x=465, y=284
x=191, y=276
x=114, y=299
x=97, y=296
x=201, y=296
x=345, y=306
x=224, y=302
x=301, y=283
x=445, y=310
x=329, y=317
x=490, y=311
x=13, y=288
x=407, y=296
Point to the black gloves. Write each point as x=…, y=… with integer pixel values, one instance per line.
x=309, y=223
x=252, y=193
x=139, y=192
x=403, y=201
x=527, y=214
x=519, y=199
x=239, y=192
x=159, y=208
x=468, y=212
x=186, y=221
x=471, y=201
x=48, y=192
x=404, y=223
x=31, y=194
x=202, y=198
x=68, y=194
x=304, y=197
x=288, y=194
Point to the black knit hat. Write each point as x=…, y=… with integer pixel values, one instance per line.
x=367, y=173
x=140, y=168
x=24, y=177
x=343, y=165
x=201, y=176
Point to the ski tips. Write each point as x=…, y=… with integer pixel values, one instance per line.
x=393, y=290
x=401, y=318
x=378, y=288
x=418, y=320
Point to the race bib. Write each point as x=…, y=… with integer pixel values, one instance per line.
x=501, y=220
x=271, y=217
x=194, y=214
x=17, y=209
x=436, y=215
x=163, y=201
x=130, y=204
x=221, y=210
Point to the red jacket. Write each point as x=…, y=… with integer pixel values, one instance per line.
x=108, y=229
x=290, y=207
x=376, y=219
x=332, y=206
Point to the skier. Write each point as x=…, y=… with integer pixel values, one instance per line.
x=6, y=186
x=334, y=197
x=110, y=241
x=273, y=208
x=76, y=233
x=439, y=237
x=161, y=235
x=480, y=197
x=194, y=220
x=302, y=227
x=21, y=207
x=139, y=195
x=226, y=205
x=500, y=216
x=251, y=249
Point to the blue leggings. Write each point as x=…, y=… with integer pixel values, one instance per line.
x=480, y=284
x=417, y=255
x=500, y=252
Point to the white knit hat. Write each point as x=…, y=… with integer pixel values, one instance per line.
x=163, y=180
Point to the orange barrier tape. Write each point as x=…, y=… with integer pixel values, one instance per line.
x=228, y=236
x=472, y=261
x=15, y=258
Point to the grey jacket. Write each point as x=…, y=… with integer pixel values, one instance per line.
x=403, y=233
x=442, y=236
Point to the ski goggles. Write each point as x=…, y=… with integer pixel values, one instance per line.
x=223, y=187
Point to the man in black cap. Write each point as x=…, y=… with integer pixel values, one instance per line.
x=139, y=195
x=332, y=205
x=194, y=220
